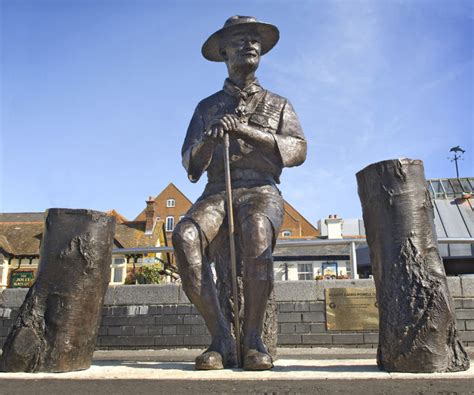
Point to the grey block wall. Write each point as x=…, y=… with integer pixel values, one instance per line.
x=160, y=316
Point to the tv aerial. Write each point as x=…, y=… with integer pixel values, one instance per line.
x=457, y=152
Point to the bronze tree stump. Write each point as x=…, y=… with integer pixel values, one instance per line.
x=417, y=321
x=56, y=330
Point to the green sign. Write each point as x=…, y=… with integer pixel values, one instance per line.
x=22, y=279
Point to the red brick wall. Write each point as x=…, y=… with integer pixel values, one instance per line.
x=182, y=205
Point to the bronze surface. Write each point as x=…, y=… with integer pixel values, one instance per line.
x=264, y=136
x=418, y=331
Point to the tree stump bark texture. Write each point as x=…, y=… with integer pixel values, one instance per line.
x=56, y=330
x=417, y=329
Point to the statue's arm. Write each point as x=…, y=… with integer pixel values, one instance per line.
x=197, y=151
x=289, y=142
x=290, y=139
x=255, y=136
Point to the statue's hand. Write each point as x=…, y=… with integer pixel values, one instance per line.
x=214, y=133
x=228, y=123
x=239, y=128
x=233, y=125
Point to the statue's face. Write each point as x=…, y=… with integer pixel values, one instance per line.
x=241, y=50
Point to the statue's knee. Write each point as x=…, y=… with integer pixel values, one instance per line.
x=257, y=236
x=185, y=232
x=187, y=245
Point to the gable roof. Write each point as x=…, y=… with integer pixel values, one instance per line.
x=119, y=218
x=22, y=217
x=170, y=189
x=5, y=245
x=23, y=238
x=296, y=215
x=132, y=234
x=175, y=188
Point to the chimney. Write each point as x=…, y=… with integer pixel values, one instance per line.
x=150, y=215
x=334, y=225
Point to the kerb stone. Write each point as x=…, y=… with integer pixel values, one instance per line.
x=467, y=284
x=142, y=294
x=454, y=285
x=285, y=291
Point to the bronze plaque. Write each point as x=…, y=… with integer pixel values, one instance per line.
x=351, y=309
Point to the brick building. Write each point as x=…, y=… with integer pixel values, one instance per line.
x=169, y=206
x=21, y=234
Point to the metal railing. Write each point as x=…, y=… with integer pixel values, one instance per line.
x=297, y=243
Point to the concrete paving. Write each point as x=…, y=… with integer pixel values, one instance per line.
x=188, y=355
x=172, y=371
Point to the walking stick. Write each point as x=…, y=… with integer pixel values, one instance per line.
x=233, y=260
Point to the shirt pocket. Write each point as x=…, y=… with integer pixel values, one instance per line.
x=266, y=120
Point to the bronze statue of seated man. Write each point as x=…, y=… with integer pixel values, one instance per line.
x=265, y=136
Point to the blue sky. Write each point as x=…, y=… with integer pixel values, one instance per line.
x=96, y=95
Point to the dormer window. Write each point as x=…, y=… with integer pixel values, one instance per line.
x=286, y=233
x=170, y=203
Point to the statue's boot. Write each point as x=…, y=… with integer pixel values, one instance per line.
x=220, y=354
x=257, y=360
x=256, y=356
x=209, y=360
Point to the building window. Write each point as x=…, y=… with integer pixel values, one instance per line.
x=305, y=271
x=118, y=270
x=169, y=224
x=170, y=203
x=284, y=271
x=287, y=233
x=348, y=269
x=3, y=272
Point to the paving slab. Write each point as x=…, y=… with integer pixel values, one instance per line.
x=289, y=376
x=188, y=355
x=285, y=369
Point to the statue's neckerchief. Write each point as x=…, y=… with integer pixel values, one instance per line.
x=249, y=97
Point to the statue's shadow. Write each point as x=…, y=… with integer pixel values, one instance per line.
x=184, y=366
x=189, y=367
x=328, y=368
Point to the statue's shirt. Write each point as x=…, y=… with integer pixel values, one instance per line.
x=263, y=110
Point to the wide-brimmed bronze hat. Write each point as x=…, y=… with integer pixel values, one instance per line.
x=268, y=34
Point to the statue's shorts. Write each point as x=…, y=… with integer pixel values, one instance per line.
x=209, y=211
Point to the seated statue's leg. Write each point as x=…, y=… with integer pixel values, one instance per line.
x=256, y=237
x=198, y=284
